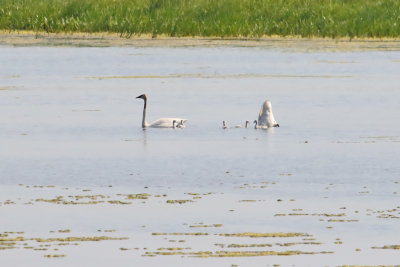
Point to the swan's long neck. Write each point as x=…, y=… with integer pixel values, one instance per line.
x=144, y=123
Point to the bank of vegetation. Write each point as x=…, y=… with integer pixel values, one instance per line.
x=206, y=18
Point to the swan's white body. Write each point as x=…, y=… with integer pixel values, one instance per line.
x=160, y=123
x=241, y=126
x=266, y=117
x=256, y=126
x=176, y=124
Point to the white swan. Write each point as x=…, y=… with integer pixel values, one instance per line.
x=180, y=124
x=256, y=126
x=176, y=124
x=241, y=126
x=224, y=125
x=160, y=123
x=266, y=117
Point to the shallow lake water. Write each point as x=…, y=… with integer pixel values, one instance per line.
x=321, y=190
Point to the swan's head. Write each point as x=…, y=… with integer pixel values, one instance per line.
x=223, y=123
x=144, y=97
x=255, y=121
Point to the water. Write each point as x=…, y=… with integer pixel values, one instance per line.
x=69, y=118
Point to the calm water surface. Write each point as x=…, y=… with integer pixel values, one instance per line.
x=63, y=124
x=69, y=117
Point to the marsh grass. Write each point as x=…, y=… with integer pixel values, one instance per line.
x=217, y=18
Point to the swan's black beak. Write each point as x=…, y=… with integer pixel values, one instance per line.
x=276, y=125
x=141, y=96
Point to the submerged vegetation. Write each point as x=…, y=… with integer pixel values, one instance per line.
x=207, y=18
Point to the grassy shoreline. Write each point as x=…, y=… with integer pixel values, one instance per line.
x=206, y=18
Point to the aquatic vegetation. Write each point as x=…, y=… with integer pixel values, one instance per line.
x=206, y=225
x=7, y=241
x=119, y=202
x=6, y=87
x=179, y=201
x=388, y=247
x=206, y=254
x=256, y=235
x=267, y=245
x=197, y=234
x=54, y=255
x=332, y=220
x=138, y=196
x=224, y=18
x=77, y=239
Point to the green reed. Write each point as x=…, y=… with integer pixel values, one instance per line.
x=219, y=18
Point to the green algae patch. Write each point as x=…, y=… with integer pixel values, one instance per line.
x=196, y=234
x=396, y=247
x=257, y=235
x=138, y=196
x=78, y=239
x=62, y=201
x=54, y=256
x=329, y=215
x=221, y=254
x=206, y=225
x=179, y=201
x=6, y=87
x=333, y=220
x=119, y=202
x=269, y=244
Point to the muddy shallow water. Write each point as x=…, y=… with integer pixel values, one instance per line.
x=321, y=190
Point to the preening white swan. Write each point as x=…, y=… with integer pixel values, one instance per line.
x=160, y=123
x=266, y=117
x=224, y=125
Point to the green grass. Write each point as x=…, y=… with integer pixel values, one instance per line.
x=219, y=18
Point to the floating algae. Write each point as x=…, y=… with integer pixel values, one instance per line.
x=119, y=202
x=183, y=201
x=268, y=245
x=173, y=249
x=332, y=220
x=256, y=235
x=388, y=247
x=204, y=225
x=138, y=196
x=61, y=200
x=197, y=234
x=77, y=239
x=220, y=254
x=54, y=256
x=6, y=87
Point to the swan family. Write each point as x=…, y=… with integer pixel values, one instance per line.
x=265, y=119
x=160, y=123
